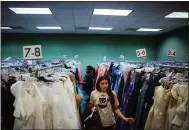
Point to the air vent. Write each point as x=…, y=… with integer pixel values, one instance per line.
x=81, y=28
x=16, y=27
x=130, y=29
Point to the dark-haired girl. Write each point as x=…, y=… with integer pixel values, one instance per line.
x=106, y=102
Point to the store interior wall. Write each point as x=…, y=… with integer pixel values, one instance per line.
x=176, y=40
x=92, y=48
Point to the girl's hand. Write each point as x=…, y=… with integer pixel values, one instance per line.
x=93, y=109
x=130, y=120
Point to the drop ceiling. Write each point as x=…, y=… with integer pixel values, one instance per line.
x=76, y=17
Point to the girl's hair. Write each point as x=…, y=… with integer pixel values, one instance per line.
x=109, y=91
x=91, y=69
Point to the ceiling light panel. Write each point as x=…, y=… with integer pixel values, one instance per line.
x=49, y=27
x=6, y=28
x=149, y=29
x=178, y=15
x=31, y=10
x=99, y=28
x=111, y=12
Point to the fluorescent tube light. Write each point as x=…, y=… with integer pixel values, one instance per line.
x=148, y=29
x=111, y=12
x=6, y=28
x=31, y=10
x=49, y=27
x=178, y=15
x=99, y=28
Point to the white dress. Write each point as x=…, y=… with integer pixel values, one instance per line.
x=63, y=107
x=28, y=106
x=47, y=107
x=40, y=107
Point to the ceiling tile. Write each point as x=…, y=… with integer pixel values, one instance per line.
x=66, y=22
x=127, y=22
x=82, y=5
x=16, y=31
x=38, y=17
x=83, y=11
x=71, y=14
x=69, y=28
x=98, y=18
x=63, y=17
x=115, y=18
x=26, y=4
x=148, y=14
x=171, y=22
x=81, y=23
x=61, y=11
x=126, y=5
x=60, y=4
x=105, y=5
x=81, y=20
x=82, y=17
x=42, y=20
x=96, y=24
x=145, y=5
x=51, y=31
x=110, y=23
x=82, y=31
x=10, y=18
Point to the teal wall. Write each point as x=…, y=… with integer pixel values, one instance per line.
x=90, y=48
x=176, y=40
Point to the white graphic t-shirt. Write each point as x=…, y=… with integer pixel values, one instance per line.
x=102, y=103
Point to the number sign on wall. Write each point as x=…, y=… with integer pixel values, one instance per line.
x=32, y=52
x=171, y=53
x=141, y=52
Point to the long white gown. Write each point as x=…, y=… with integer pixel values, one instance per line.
x=63, y=105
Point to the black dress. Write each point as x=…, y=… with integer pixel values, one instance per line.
x=89, y=82
x=7, y=108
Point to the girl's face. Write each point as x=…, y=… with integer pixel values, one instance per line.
x=87, y=71
x=104, y=85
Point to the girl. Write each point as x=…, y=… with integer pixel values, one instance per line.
x=89, y=80
x=105, y=101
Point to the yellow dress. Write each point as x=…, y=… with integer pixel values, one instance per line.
x=157, y=114
x=180, y=110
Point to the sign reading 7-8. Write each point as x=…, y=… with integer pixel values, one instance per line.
x=32, y=52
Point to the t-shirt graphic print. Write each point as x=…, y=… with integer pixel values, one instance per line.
x=102, y=103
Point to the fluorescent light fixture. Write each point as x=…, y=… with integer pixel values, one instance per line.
x=31, y=10
x=178, y=15
x=99, y=28
x=6, y=28
x=111, y=12
x=49, y=27
x=149, y=29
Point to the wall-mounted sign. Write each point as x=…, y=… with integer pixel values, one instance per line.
x=32, y=52
x=104, y=58
x=122, y=57
x=141, y=52
x=171, y=53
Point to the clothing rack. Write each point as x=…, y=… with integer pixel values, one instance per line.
x=166, y=64
x=172, y=66
x=55, y=66
x=5, y=67
x=173, y=63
